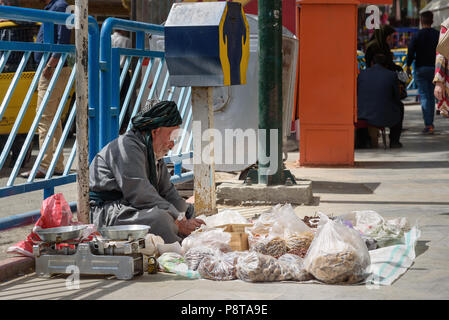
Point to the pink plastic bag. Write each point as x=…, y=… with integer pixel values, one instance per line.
x=55, y=212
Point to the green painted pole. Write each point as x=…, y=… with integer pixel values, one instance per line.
x=270, y=91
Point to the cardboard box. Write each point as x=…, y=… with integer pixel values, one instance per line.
x=239, y=238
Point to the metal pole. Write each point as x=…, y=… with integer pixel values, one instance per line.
x=270, y=88
x=82, y=98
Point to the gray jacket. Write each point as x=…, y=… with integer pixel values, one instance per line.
x=122, y=165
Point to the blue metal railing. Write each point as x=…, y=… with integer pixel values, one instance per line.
x=150, y=80
x=49, y=20
x=152, y=73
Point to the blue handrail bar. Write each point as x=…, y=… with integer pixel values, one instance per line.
x=109, y=115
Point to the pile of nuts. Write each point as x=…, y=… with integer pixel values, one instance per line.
x=342, y=267
x=219, y=267
x=274, y=247
x=299, y=243
x=194, y=256
x=256, y=267
x=293, y=268
x=311, y=222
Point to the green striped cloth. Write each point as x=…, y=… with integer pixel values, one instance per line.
x=389, y=263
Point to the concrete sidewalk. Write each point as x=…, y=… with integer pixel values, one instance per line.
x=410, y=182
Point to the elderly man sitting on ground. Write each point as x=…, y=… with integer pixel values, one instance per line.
x=130, y=183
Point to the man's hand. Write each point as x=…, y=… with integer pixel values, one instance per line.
x=50, y=67
x=191, y=199
x=186, y=227
x=439, y=91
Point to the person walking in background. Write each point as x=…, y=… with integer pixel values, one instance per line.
x=441, y=78
x=23, y=31
x=422, y=50
x=62, y=36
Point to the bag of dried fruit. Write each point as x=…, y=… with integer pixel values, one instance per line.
x=337, y=254
x=257, y=267
x=221, y=266
x=285, y=233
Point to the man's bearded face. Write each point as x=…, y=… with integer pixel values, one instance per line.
x=163, y=140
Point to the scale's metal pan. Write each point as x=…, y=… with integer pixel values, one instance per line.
x=60, y=234
x=125, y=232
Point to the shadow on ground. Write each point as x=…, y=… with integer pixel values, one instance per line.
x=343, y=187
x=402, y=164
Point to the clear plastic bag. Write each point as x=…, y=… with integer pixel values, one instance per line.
x=337, y=254
x=373, y=225
x=292, y=268
x=224, y=217
x=287, y=223
x=271, y=239
x=272, y=246
x=298, y=244
x=214, y=238
x=174, y=263
x=221, y=266
x=194, y=256
x=151, y=242
x=257, y=267
x=258, y=232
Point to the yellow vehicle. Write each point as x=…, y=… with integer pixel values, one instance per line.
x=15, y=103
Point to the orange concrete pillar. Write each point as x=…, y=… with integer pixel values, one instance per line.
x=327, y=81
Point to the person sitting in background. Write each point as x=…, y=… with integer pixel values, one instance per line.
x=381, y=43
x=378, y=100
x=422, y=49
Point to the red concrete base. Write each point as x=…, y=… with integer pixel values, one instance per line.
x=15, y=266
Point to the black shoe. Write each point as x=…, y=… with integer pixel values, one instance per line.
x=395, y=145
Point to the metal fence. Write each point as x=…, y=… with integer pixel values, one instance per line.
x=149, y=80
x=107, y=113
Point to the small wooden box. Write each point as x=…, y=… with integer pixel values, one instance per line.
x=239, y=238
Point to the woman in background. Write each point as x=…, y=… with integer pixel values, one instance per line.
x=381, y=43
x=441, y=79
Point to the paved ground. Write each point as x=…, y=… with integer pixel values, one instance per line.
x=410, y=182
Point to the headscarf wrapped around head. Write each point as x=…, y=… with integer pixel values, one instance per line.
x=378, y=45
x=380, y=35
x=161, y=114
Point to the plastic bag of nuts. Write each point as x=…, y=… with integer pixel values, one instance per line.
x=256, y=267
x=298, y=244
x=337, y=254
x=194, y=256
x=274, y=247
x=292, y=268
x=221, y=266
